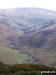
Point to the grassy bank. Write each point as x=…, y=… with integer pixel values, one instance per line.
x=24, y=69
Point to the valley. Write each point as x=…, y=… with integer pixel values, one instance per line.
x=28, y=35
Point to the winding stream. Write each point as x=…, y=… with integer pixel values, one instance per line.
x=31, y=56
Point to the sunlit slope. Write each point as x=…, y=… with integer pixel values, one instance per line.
x=7, y=56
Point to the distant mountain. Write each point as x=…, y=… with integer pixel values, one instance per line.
x=28, y=35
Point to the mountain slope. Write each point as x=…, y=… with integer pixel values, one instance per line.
x=28, y=35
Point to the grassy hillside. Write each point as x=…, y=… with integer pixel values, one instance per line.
x=24, y=69
x=8, y=56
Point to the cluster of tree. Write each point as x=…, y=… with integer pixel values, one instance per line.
x=24, y=69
